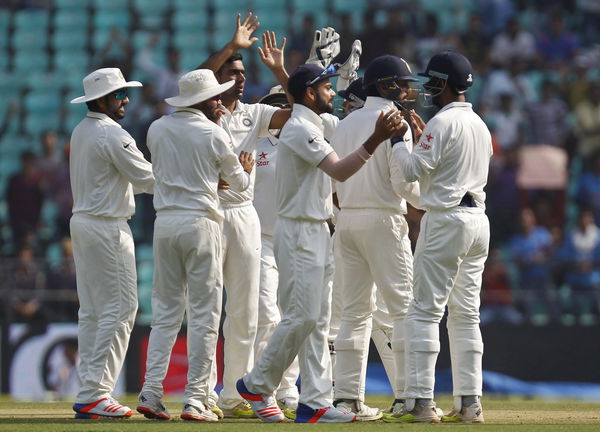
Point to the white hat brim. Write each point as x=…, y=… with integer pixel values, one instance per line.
x=92, y=97
x=186, y=101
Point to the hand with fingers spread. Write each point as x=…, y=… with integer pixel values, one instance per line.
x=270, y=54
x=325, y=47
x=389, y=125
x=242, y=38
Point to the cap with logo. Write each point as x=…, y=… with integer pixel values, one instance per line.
x=388, y=67
x=307, y=75
x=197, y=86
x=451, y=66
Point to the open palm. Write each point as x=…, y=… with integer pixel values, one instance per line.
x=270, y=54
x=242, y=38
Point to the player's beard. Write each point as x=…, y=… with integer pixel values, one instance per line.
x=323, y=105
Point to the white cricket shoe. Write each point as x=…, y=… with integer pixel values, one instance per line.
x=106, y=407
x=362, y=411
x=152, y=407
x=330, y=414
x=264, y=406
x=471, y=414
x=198, y=413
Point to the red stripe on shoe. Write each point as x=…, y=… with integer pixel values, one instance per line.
x=318, y=415
x=251, y=397
x=91, y=406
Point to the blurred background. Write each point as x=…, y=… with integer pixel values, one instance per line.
x=537, y=86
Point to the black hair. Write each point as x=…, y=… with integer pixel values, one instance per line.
x=297, y=93
x=93, y=105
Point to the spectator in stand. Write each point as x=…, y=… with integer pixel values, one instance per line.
x=531, y=250
x=165, y=79
x=495, y=14
x=49, y=162
x=506, y=122
x=513, y=42
x=26, y=280
x=587, y=121
x=475, y=43
x=503, y=202
x=588, y=191
x=24, y=199
x=497, y=302
x=64, y=304
x=580, y=258
x=547, y=117
x=63, y=196
x=556, y=45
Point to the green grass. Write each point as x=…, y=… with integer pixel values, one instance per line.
x=506, y=415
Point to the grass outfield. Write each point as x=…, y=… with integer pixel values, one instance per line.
x=507, y=415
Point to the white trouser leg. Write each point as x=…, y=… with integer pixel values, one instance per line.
x=269, y=316
x=187, y=276
x=305, y=265
x=373, y=243
x=241, y=276
x=466, y=344
x=446, y=242
x=382, y=338
x=107, y=289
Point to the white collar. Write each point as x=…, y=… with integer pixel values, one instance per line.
x=455, y=105
x=102, y=116
x=303, y=112
x=373, y=102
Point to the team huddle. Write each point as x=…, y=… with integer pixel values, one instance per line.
x=245, y=195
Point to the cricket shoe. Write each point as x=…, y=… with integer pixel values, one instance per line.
x=419, y=414
x=471, y=414
x=330, y=414
x=288, y=406
x=152, y=407
x=362, y=411
x=263, y=406
x=106, y=407
x=198, y=413
x=218, y=411
x=242, y=410
x=398, y=405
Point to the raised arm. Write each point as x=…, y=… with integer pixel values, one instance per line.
x=242, y=39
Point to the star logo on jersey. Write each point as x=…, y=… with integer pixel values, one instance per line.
x=429, y=137
x=262, y=155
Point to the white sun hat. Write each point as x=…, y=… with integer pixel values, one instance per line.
x=102, y=82
x=197, y=86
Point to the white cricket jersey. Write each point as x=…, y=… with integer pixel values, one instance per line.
x=245, y=125
x=451, y=158
x=303, y=189
x=189, y=152
x=380, y=184
x=264, y=188
x=106, y=168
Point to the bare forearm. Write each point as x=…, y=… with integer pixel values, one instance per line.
x=342, y=169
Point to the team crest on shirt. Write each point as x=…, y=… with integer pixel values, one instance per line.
x=247, y=122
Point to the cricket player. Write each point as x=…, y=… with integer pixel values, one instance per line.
x=450, y=161
x=245, y=123
x=106, y=170
x=303, y=251
x=372, y=237
x=264, y=201
x=190, y=153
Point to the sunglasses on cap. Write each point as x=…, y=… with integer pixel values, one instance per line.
x=121, y=94
x=331, y=69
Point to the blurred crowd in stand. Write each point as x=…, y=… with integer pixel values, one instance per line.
x=537, y=86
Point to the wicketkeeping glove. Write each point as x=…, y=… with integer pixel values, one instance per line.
x=326, y=45
x=347, y=70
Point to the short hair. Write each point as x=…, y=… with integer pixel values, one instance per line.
x=93, y=105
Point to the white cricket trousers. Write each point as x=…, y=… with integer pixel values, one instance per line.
x=382, y=325
x=449, y=259
x=187, y=279
x=241, y=277
x=269, y=316
x=374, y=248
x=107, y=289
x=303, y=252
